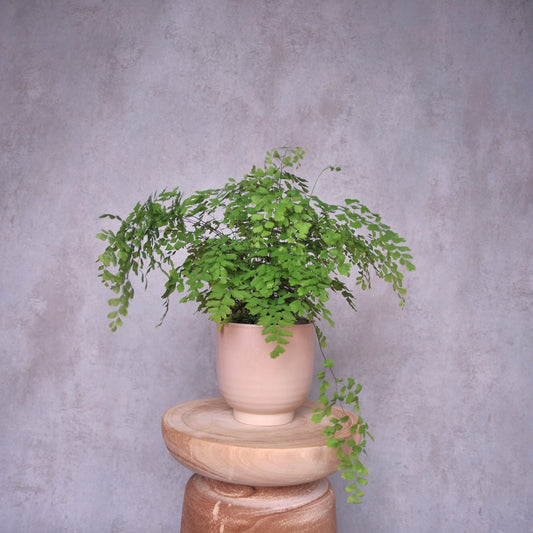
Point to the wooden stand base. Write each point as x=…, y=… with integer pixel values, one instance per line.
x=212, y=506
x=252, y=479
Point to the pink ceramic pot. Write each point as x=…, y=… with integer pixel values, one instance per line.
x=264, y=391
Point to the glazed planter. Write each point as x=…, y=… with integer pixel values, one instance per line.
x=264, y=391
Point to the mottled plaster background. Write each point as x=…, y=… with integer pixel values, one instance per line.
x=428, y=108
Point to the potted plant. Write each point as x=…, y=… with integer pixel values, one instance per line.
x=267, y=252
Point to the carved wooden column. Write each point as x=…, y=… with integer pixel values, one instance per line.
x=251, y=478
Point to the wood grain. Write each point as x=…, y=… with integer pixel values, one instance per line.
x=204, y=436
x=215, y=507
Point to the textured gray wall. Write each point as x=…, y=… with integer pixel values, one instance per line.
x=428, y=108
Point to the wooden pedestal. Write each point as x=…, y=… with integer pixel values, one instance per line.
x=252, y=478
x=212, y=506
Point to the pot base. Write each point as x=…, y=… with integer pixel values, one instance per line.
x=260, y=419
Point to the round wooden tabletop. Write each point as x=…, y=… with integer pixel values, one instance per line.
x=204, y=436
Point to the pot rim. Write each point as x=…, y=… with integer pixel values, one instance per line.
x=239, y=324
